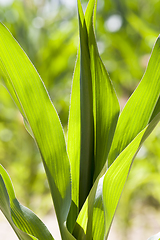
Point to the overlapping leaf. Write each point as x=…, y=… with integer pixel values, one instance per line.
x=29, y=93
x=101, y=204
x=86, y=113
x=93, y=118
x=105, y=103
x=93, y=112
x=117, y=174
x=103, y=199
x=24, y=222
x=141, y=108
x=73, y=144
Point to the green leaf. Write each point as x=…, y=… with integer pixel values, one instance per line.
x=73, y=144
x=30, y=95
x=140, y=109
x=117, y=174
x=90, y=222
x=23, y=221
x=104, y=197
x=105, y=103
x=105, y=112
x=80, y=127
x=86, y=113
x=102, y=106
x=100, y=206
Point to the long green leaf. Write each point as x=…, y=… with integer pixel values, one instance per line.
x=117, y=174
x=96, y=209
x=105, y=109
x=86, y=108
x=73, y=144
x=80, y=127
x=105, y=106
x=29, y=93
x=139, y=109
x=103, y=199
x=23, y=221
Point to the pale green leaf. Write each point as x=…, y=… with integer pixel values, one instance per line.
x=73, y=144
x=104, y=197
x=104, y=108
x=116, y=176
x=105, y=112
x=30, y=95
x=23, y=221
x=96, y=209
x=90, y=223
x=139, y=109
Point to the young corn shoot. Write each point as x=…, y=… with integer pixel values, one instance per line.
x=87, y=175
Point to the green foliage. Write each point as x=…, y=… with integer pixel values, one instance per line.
x=125, y=52
x=87, y=176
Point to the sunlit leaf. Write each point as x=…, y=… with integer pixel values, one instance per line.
x=90, y=77
x=30, y=95
x=23, y=221
x=100, y=208
x=87, y=176
x=139, y=109
x=117, y=174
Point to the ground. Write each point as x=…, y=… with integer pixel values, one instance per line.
x=144, y=225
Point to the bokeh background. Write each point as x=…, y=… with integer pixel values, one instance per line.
x=48, y=32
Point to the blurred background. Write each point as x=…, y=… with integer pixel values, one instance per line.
x=48, y=32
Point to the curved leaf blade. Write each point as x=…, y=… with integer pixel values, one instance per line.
x=138, y=111
x=23, y=221
x=117, y=174
x=104, y=197
x=90, y=222
x=30, y=95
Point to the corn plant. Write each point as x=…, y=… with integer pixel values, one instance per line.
x=87, y=174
